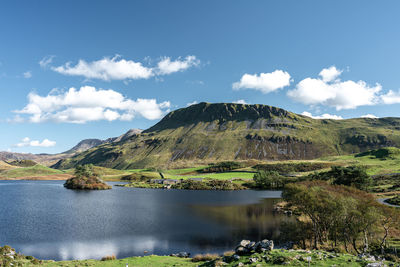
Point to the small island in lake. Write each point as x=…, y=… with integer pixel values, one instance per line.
x=86, y=179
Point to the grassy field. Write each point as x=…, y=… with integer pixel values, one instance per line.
x=153, y=261
x=273, y=258
x=380, y=161
x=26, y=172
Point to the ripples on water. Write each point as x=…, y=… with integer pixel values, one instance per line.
x=43, y=219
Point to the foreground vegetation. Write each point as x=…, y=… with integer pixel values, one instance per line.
x=262, y=258
x=337, y=216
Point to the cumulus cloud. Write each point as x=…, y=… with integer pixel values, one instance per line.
x=323, y=116
x=264, y=82
x=107, y=69
x=89, y=104
x=166, y=66
x=45, y=61
x=330, y=74
x=240, y=101
x=28, y=74
x=391, y=97
x=370, y=116
x=35, y=143
x=330, y=91
x=117, y=68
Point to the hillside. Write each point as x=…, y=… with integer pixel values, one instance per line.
x=50, y=159
x=214, y=132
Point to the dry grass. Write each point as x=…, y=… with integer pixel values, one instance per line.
x=109, y=258
x=205, y=257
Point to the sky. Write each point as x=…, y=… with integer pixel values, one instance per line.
x=71, y=70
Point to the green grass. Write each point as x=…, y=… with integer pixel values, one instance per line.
x=37, y=170
x=274, y=258
x=296, y=258
x=150, y=261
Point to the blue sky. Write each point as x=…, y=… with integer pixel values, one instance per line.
x=130, y=62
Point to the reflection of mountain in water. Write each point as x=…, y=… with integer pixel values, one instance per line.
x=253, y=221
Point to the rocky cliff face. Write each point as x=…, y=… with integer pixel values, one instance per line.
x=215, y=132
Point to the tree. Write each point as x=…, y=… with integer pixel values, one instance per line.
x=351, y=176
x=268, y=180
x=84, y=171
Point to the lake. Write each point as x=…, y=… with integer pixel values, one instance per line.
x=45, y=220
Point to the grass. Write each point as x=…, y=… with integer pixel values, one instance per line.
x=295, y=258
x=37, y=170
x=375, y=165
x=152, y=260
x=273, y=258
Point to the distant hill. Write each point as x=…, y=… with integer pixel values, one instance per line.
x=225, y=131
x=85, y=145
x=50, y=159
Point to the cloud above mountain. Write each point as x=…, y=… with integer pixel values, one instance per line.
x=117, y=68
x=89, y=104
x=27, y=142
x=263, y=82
x=323, y=116
x=329, y=90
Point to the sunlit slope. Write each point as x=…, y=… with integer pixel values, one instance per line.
x=215, y=132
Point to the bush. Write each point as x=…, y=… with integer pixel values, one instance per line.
x=211, y=184
x=221, y=167
x=271, y=180
x=205, y=257
x=109, y=258
x=285, y=168
x=355, y=176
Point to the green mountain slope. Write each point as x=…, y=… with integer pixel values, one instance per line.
x=215, y=132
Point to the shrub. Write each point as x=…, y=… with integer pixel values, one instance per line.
x=285, y=168
x=271, y=180
x=351, y=176
x=205, y=257
x=109, y=258
x=221, y=167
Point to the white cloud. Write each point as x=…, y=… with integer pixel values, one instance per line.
x=240, y=101
x=370, y=116
x=330, y=74
x=166, y=66
x=335, y=93
x=192, y=103
x=264, y=82
x=117, y=68
x=28, y=74
x=391, y=97
x=323, y=116
x=107, y=69
x=90, y=104
x=35, y=143
x=45, y=61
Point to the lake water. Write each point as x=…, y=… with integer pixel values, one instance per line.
x=45, y=220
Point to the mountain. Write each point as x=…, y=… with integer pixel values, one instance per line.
x=85, y=145
x=224, y=131
x=50, y=159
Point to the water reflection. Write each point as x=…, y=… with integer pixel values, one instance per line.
x=252, y=221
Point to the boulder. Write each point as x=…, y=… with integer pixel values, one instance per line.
x=242, y=250
x=181, y=255
x=264, y=245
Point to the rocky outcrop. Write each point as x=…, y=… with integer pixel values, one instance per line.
x=247, y=247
